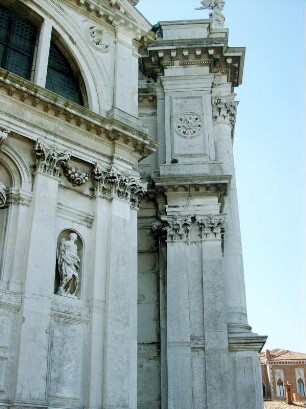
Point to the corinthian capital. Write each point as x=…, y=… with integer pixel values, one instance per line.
x=224, y=109
x=112, y=183
x=177, y=228
x=2, y=195
x=211, y=226
x=4, y=133
x=49, y=159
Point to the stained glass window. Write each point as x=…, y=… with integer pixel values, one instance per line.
x=17, y=43
x=61, y=78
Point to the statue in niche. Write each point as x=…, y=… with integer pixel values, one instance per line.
x=68, y=265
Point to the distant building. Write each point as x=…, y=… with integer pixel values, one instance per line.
x=280, y=366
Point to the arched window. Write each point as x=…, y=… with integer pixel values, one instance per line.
x=301, y=388
x=61, y=78
x=280, y=390
x=17, y=43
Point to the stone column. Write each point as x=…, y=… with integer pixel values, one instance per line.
x=39, y=280
x=224, y=115
x=40, y=73
x=178, y=311
x=120, y=329
x=217, y=362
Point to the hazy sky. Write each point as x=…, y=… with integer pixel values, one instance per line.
x=269, y=154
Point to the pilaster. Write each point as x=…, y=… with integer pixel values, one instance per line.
x=120, y=328
x=39, y=283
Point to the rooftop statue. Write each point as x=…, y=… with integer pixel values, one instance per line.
x=217, y=17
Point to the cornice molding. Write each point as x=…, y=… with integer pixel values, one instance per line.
x=117, y=128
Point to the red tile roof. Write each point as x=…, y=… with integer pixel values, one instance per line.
x=282, y=355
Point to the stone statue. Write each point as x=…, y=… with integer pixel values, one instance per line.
x=68, y=264
x=217, y=17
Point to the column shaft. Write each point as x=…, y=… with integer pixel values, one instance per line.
x=40, y=74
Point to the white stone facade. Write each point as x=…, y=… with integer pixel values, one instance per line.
x=74, y=300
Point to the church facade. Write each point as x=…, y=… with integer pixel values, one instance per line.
x=122, y=281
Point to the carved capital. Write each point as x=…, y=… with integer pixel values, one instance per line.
x=3, y=196
x=50, y=159
x=224, y=109
x=173, y=228
x=111, y=183
x=211, y=226
x=4, y=133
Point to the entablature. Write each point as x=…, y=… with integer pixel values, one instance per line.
x=210, y=51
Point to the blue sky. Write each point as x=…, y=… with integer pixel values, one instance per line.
x=269, y=154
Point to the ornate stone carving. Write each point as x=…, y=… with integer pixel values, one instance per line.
x=3, y=195
x=75, y=176
x=224, y=109
x=68, y=265
x=112, y=183
x=178, y=228
x=4, y=133
x=211, y=226
x=188, y=125
x=99, y=38
x=49, y=159
x=217, y=17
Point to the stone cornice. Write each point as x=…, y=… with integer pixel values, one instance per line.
x=116, y=128
x=252, y=342
x=211, y=52
x=117, y=13
x=111, y=183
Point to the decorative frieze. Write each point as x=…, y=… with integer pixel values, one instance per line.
x=49, y=159
x=10, y=298
x=178, y=228
x=112, y=183
x=224, y=109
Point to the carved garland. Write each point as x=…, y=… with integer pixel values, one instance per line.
x=112, y=183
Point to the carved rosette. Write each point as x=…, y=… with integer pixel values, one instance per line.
x=188, y=125
x=224, y=109
x=113, y=184
x=49, y=159
x=3, y=196
x=211, y=227
x=178, y=228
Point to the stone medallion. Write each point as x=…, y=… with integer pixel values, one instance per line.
x=98, y=38
x=189, y=125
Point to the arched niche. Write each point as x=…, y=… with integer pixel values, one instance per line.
x=69, y=264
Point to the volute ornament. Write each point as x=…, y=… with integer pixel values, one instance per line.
x=50, y=159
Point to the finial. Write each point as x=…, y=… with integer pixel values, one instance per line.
x=217, y=17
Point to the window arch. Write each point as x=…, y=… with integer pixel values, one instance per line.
x=280, y=390
x=17, y=43
x=20, y=31
x=301, y=387
x=61, y=78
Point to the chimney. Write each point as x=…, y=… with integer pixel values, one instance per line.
x=267, y=353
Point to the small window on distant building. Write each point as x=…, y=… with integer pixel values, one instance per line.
x=17, y=43
x=61, y=78
x=280, y=390
x=264, y=390
x=301, y=387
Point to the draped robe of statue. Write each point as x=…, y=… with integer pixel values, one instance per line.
x=68, y=264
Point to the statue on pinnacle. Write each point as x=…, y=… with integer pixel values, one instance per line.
x=216, y=16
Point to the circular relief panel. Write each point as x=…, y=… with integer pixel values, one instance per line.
x=98, y=38
x=188, y=125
